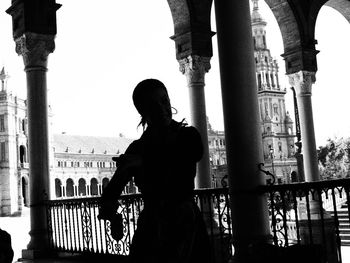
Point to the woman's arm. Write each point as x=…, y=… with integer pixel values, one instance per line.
x=127, y=165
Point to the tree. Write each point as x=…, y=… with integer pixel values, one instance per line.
x=334, y=158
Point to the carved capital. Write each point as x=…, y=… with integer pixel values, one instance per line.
x=35, y=49
x=195, y=67
x=302, y=82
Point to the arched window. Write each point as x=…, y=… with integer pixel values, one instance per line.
x=81, y=187
x=294, y=177
x=93, y=187
x=58, y=188
x=105, y=181
x=25, y=192
x=22, y=154
x=69, y=188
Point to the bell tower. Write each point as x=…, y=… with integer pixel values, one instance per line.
x=276, y=124
x=3, y=79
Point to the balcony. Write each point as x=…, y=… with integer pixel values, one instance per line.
x=310, y=217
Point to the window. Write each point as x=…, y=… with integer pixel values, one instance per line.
x=23, y=126
x=3, y=151
x=2, y=122
x=267, y=79
x=272, y=80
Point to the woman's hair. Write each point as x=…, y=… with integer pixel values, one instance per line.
x=140, y=95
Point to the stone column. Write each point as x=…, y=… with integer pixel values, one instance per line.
x=35, y=49
x=250, y=220
x=195, y=67
x=75, y=192
x=302, y=82
x=62, y=191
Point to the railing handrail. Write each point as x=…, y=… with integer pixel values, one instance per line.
x=305, y=185
x=201, y=191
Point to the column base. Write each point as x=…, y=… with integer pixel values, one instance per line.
x=31, y=254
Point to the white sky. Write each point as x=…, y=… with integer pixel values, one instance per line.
x=103, y=51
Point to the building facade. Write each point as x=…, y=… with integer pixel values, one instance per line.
x=83, y=165
x=13, y=150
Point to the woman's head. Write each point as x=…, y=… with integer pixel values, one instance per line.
x=151, y=100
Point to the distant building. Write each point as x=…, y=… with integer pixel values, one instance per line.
x=13, y=150
x=83, y=165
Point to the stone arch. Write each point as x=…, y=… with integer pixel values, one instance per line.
x=342, y=6
x=81, y=187
x=58, y=188
x=69, y=187
x=93, y=186
x=192, y=28
x=287, y=22
x=25, y=191
x=296, y=20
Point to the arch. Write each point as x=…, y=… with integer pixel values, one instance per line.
x=342, y=6
x=287, y=22
x=297, y=21
x=93, y=186
x=69, y=188
x=81, y=187
x=58, y=188
x=192, y=28
x=25, y=192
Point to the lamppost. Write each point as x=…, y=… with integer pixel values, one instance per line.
x=271, y=154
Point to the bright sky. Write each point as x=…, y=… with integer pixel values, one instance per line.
x=103, y=51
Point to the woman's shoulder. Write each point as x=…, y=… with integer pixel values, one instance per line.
x=134, y=147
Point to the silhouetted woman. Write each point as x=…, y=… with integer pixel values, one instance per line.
x=163, y=163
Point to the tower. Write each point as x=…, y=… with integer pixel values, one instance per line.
x=276, y=124
x=13, y=150
x=3, y=79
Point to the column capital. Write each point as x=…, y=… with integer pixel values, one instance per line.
x=195, y=67
x=35, y=49
x=302, y=82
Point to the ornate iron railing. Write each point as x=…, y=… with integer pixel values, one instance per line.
x=312, y=213
x=74, y=227
x=300, y=213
